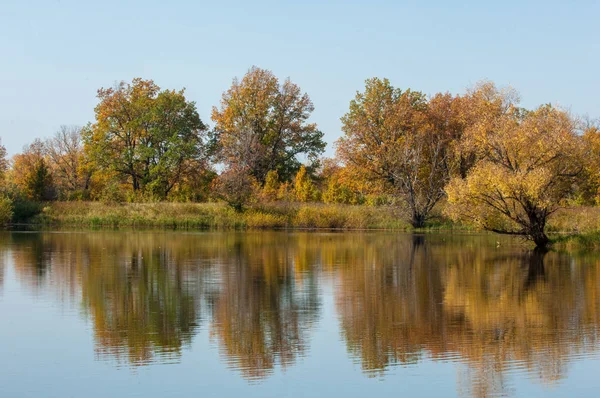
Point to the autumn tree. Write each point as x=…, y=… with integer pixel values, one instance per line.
x=6, y=211
x=271, y=187
x=262, y=125
x=66, y=158
x=339, y=185
x=145, y=135
x=31, y=175
x=304, y=188
x=3, y=164
x=454, y=116
x=589, y=183
x=389, y=138
x=234, y=186
x=529, y=161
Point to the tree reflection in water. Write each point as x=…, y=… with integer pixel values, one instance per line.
x=399, y=298
x=488, y=308
x=141, y=293
x=263, y=309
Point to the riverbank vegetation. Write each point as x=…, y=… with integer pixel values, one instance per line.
x=405, y=160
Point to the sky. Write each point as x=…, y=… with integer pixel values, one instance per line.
x=57, y=54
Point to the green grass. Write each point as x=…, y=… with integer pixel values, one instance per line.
x=583, y=241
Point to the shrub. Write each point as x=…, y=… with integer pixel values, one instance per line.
x=24, y=211
x=6, y=210
x=235, y=187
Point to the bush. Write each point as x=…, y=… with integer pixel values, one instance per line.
x=236, y=187
x=24, y=211
x=6, y=210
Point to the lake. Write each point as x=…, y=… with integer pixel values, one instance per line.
x=294, y=314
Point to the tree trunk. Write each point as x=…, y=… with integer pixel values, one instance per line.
x=540, y=239
x=418, y=220
x=537, y=224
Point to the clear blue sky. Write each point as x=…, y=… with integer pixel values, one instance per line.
x=56, y=54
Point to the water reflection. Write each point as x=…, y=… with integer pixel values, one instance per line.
x=263, y=309
x=141, y=295
x=492, y=306
x=492, y=309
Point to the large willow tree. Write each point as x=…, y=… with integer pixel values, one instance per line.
x=528, y=162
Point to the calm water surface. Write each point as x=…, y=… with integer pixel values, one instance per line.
x=276, y=314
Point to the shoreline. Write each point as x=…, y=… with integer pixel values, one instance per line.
x=574, y=228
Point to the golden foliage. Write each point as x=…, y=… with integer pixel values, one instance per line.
x=528, y=163
x=304, y=188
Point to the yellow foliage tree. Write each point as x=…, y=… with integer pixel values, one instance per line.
x=304, y=188
x=271, y=187
x=529, y=161
x=590, y=183
x=3, y=164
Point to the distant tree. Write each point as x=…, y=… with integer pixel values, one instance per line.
x=304, y=188
x=145, y=135
x=271, y=187
x=528, y=164
x=66, y=158
x=3, y=164
x=31, y=175
x=195, y=182
x=235, y=187
x=389, y=138
x=262, y=125
x=589, y=183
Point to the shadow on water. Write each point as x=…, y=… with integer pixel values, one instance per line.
x=399, y=298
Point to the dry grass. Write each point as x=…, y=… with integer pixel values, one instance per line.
x=219, y=216
x=570, y=228
x=575, y=220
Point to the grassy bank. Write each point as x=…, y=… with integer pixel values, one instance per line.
x=579, y=241
x=569, y=228
x=218, y=216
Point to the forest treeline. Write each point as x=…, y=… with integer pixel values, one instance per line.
x=477, y=157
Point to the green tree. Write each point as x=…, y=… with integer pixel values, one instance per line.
x=262, y=125
x=145, y=135
x=31, y=175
